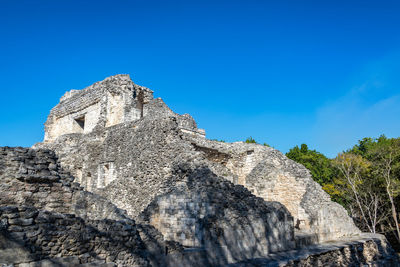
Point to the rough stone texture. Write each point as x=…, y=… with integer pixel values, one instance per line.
x=365, y=250
x=183, y=189
x=34, y=178
x=161, y=175
x=138, y=156
x=203, y=210
x=269, y=174
x=112, y=101
x=44, y=234
x=43, y=214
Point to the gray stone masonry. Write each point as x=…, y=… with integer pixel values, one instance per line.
x=203, y=210
x=30, y=235
x=34, y=178
x=45, y=216
x=136, y=157
x=112, y=101
x=158, y=174
x=269, y=174
x=363, y=250
x=226, y=202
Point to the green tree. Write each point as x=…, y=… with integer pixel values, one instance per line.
x=365, y=179
x=363, y=193
x=384, y=153
x=319, y=165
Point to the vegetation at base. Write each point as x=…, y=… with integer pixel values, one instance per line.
x=365, y=179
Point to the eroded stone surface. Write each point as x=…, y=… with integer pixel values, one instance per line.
x=164, y=181
x=137, y=158
x=43, y=214
x=112, y=101
x=34, y=178
x=269, y=174
x=363, y=250
x=196, y=202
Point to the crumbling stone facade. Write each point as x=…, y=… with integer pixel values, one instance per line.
x=140, y=154
x=32, y=235
x=128, y=182
x=203, y=210
x=35, y=178
x=162, y=183
x=269, y=174
x=115, y=100
x=43, y=215
x=363, y=250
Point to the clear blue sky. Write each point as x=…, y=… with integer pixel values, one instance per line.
x=325, y=73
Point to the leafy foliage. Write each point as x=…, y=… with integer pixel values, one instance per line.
x=250, y=140
x=365, y=179
x=319, y=165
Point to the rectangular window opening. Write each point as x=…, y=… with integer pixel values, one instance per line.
x=81, y=122
x=105, y=174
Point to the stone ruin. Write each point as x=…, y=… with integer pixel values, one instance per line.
x=113, y=101
x=122, y=180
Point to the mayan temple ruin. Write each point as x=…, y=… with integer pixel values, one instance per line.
x=122, y=180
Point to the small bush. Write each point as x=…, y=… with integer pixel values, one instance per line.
x=250, y=140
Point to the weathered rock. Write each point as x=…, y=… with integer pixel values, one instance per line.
x=133, y=161
x=115, y=100
x=269, y=174
x=198, y=202
x=33, y=227
x=363, y=250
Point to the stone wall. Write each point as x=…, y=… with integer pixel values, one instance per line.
x=45, y=215
x=219, y=199
x=203, y=210
x=30, y=177
x=149, y=160
x=109, y=102
x=363, y=250
x=267, y=173
x=138, y=157
x=156, y=108
x=30, y=235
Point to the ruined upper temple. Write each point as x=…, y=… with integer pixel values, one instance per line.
x=122, y=180
x=112, y=101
